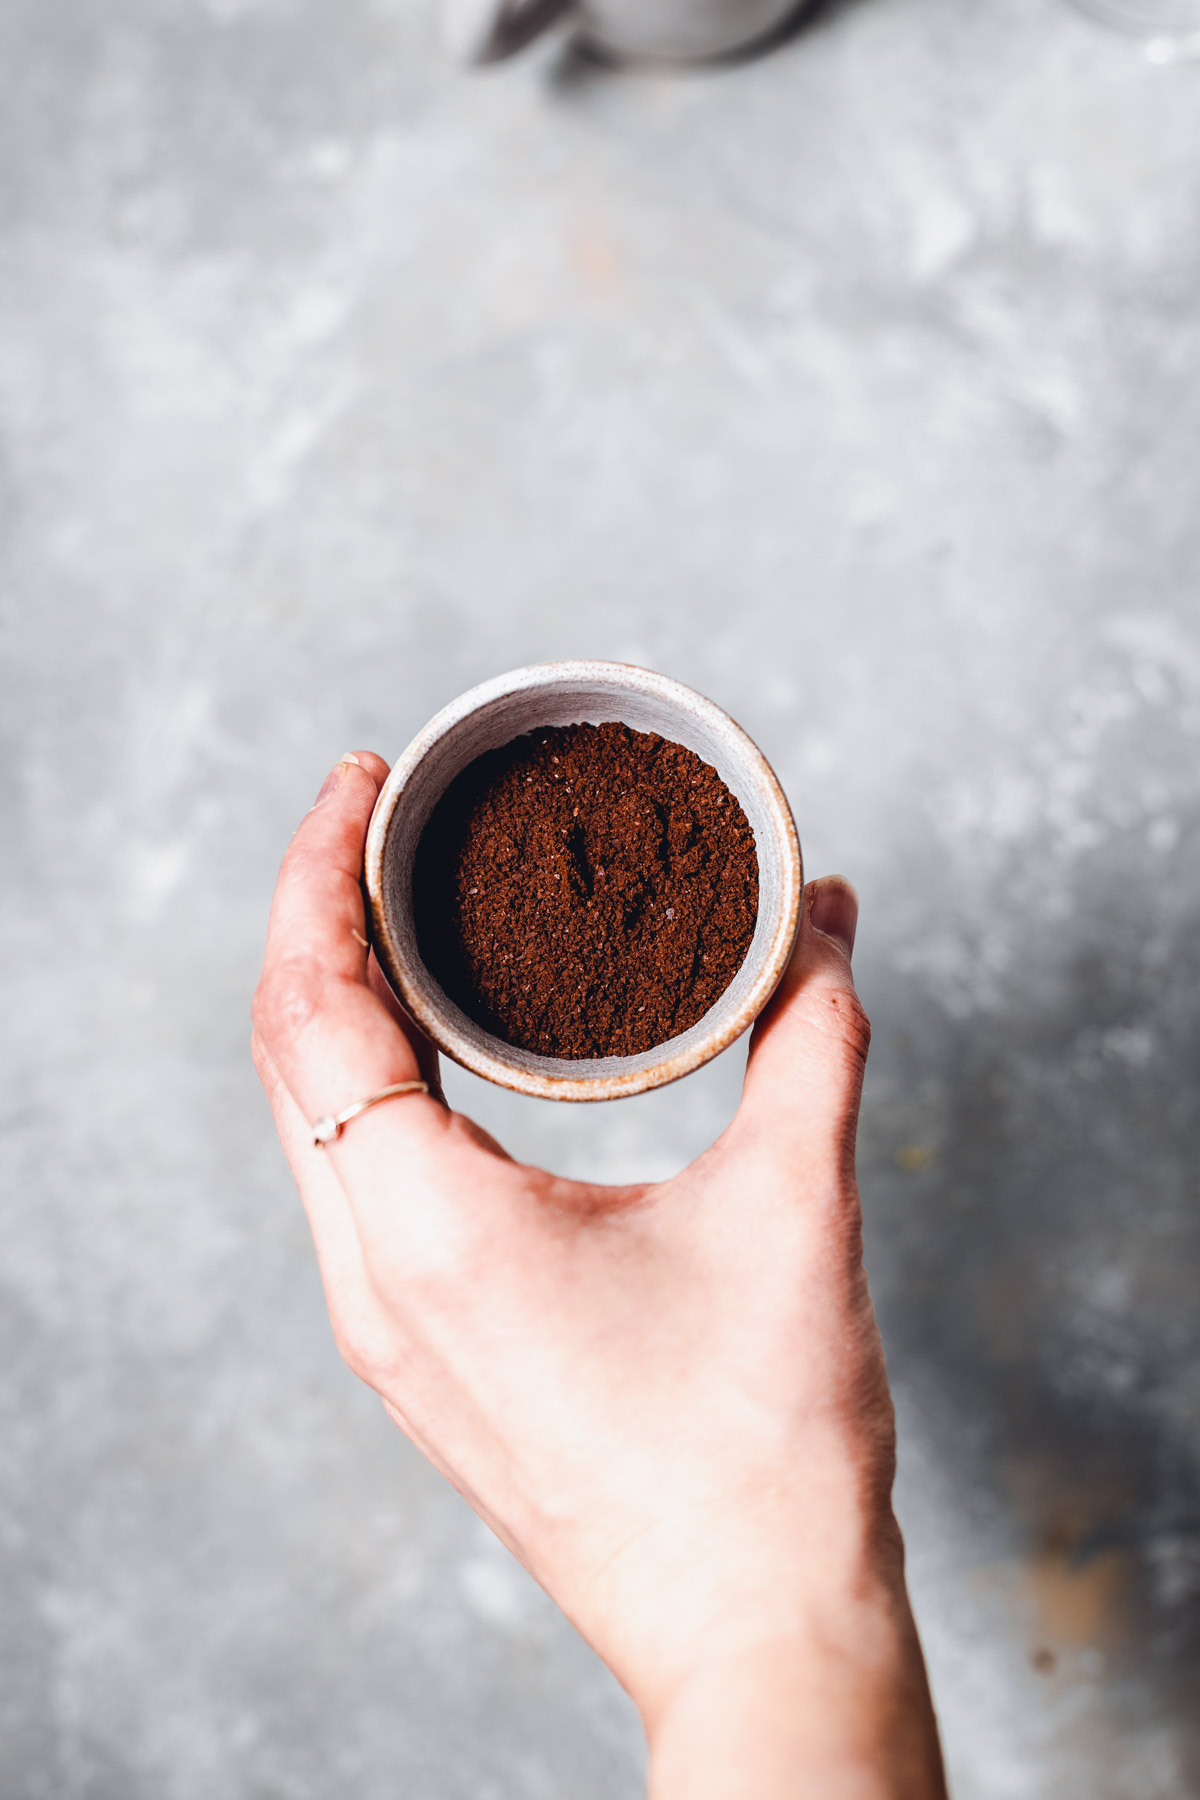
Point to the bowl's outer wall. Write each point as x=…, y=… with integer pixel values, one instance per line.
x=565, y=694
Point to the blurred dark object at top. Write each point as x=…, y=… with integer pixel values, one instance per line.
x=484, y=31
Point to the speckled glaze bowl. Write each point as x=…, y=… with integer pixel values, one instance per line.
x=574, y=693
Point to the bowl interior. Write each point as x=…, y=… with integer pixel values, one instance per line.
x=592, y=694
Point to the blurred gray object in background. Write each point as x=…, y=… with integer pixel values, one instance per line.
x=858, y=386
x=640, y=30
x=1170, y=29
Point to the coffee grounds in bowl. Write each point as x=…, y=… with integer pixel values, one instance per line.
x=586, y=891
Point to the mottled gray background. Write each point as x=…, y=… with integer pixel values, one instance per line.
x=858, y=386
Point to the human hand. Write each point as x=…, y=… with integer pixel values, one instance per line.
x=669, y=1400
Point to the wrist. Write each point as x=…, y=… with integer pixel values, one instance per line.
x=841, y=1709
x=789, y=1664
x=812, y=1558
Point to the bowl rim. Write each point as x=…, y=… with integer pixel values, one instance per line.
x=442, y=1031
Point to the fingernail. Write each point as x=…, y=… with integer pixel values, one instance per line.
x=334, y=777
x=835, y=911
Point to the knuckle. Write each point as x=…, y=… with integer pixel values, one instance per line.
x=364, y=1348
x=285, y=1001
x=356, y=1352
x=305, y=861
x=847, y=1024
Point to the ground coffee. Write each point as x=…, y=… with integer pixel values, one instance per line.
x=587, y=890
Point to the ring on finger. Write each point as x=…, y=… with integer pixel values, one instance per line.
x=329, y=1126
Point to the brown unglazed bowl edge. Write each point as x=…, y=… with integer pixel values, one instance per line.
x=441, y=1031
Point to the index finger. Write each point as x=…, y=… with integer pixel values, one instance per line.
x=330, y=1036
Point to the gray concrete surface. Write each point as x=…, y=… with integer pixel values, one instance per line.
x=858, y=386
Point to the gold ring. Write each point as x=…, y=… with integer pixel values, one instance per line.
x=329, y=1126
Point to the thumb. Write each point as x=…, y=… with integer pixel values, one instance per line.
x=809, y=1049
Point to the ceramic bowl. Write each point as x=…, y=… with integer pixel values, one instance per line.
x=572, y=693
